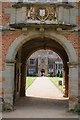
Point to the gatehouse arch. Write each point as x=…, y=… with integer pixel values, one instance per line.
x=24, y=39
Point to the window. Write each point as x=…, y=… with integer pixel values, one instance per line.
x=32, y=61
x=31, y=71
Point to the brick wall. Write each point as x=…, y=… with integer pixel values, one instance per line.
x=78, y=21
x=0, y=51
x=5, y=17
x=78, y=4
x=78, y=17
x=0, y=13
x=73, y=38
x=9, y=36
x=79, y=63
x=6, y=39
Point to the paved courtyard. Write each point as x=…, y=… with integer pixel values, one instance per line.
x=52, y=106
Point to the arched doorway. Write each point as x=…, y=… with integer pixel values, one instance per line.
x=45, y=75
x=25, y=45
x=42, y=72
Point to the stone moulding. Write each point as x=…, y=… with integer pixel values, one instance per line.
x=72, y=65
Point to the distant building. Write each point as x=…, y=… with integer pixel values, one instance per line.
x=44, y=63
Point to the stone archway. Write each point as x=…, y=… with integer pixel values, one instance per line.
x=10, y=62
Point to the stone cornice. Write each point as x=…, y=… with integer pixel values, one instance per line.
x=10, y=61
x=72, y=65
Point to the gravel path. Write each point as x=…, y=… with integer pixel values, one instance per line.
x=43, y=88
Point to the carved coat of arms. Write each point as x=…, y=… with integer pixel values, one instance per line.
x=42, y=12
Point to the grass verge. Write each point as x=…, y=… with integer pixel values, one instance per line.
x=55, y=81
x=29, y=81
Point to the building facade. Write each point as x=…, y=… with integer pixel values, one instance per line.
x=44, y=62
x=30, y=26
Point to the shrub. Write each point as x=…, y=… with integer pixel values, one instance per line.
x=35, y=74
x=51, y=74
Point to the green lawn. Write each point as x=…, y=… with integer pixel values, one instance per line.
x=29, y=81
x=55, y=81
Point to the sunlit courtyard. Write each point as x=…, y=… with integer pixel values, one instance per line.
x=45, y=87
